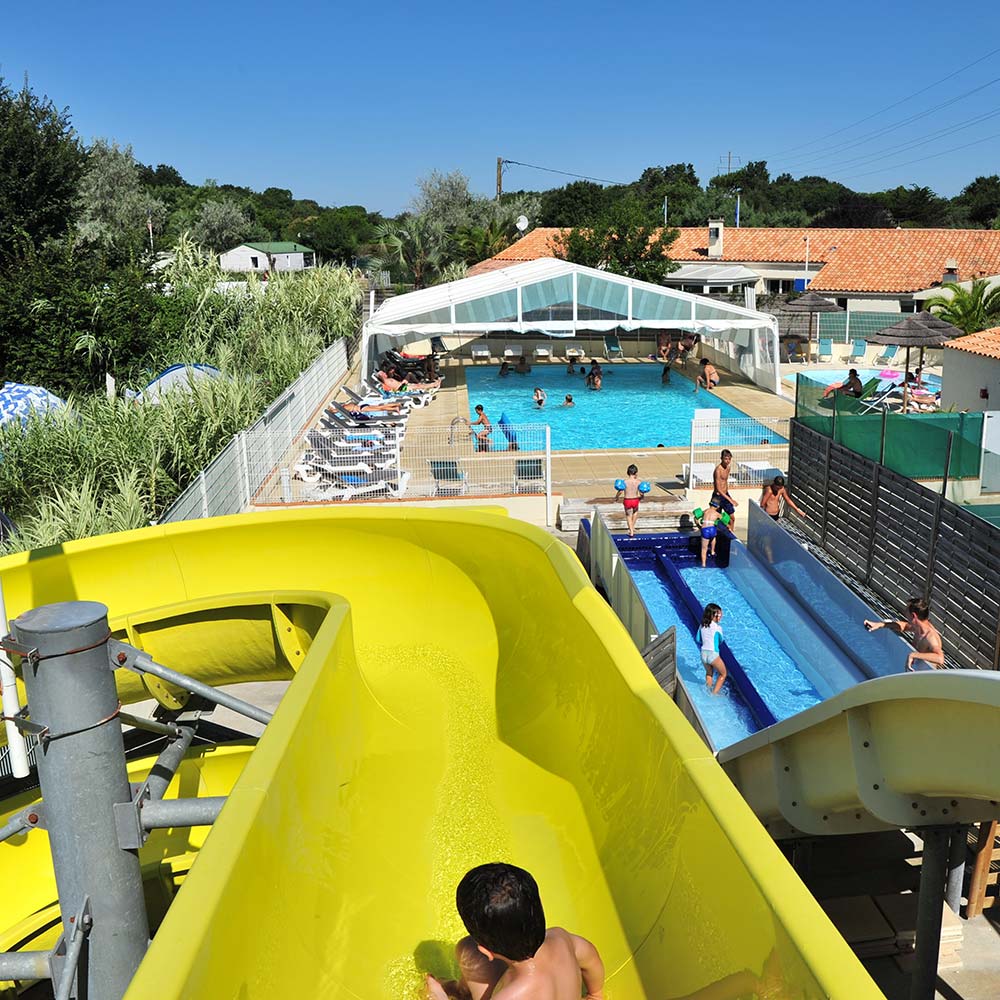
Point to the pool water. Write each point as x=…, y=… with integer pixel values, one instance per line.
x=826, y=376
x=632, y=410
x=779, y=681
x=726, y=717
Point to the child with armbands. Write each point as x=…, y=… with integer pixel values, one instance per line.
x=634, y=490
x=706, y=520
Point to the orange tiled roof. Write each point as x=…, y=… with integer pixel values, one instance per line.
x=986, y=343
x=845, y=260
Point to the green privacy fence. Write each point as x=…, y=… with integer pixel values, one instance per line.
x=913, y=444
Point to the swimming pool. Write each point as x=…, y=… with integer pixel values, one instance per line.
x=632, y=410
x=828, y=375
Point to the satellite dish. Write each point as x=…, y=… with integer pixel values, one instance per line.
x=522, y=223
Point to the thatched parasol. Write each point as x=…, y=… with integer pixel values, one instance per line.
x=923, y=330
x=811, y=303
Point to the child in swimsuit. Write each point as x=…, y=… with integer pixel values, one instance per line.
x=710, y=639
x=709, y=531
x=772, y=496
x=632, y=497
x=539, y=396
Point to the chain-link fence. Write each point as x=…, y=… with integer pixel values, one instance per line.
x=232, y=479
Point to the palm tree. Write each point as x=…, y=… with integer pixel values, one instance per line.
x=970, y=309
x=414, y=243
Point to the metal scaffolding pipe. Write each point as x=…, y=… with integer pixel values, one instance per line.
x=158, y=814
x=82, y=773
x=150, y=725
x=18, y=823
x=24, y=965
x=163, y=771
x=956, y=867
x=146, y=664
x=930, y=901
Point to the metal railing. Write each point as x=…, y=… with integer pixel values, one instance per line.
x=759, y=447
x=229, y=483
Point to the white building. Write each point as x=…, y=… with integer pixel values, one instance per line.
x=264, y=257
x=971, y=372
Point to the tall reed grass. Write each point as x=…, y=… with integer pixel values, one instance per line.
x=108, y=464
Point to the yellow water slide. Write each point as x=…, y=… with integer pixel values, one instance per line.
x=461, y=694
x=904, y=751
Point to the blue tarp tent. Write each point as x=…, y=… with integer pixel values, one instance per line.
x=18, y=402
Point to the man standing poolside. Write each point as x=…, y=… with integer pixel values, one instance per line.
x=924, y=636
x=720, y=487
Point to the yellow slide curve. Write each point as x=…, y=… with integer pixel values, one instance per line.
x=462, y=695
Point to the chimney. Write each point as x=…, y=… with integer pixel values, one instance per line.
x=716, y=228
x=950, y=271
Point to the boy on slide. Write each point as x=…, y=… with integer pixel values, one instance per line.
x=509, y=953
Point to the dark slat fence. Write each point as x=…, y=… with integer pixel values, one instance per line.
x=902, y=540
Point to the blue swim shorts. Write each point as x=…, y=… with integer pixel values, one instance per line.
x=723, y=504
x=709, y=531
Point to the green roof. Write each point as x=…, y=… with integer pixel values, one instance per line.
x=279, y=247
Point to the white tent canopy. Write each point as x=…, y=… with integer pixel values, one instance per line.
x=560, y=299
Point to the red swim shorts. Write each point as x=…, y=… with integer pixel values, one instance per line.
x=631, y=503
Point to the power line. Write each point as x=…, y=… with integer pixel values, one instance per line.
x=861, y=140
x=867, y=158
x=889, y=107
x=920, y=159
x=565, y=173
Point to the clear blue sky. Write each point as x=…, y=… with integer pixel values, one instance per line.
x=349, y=103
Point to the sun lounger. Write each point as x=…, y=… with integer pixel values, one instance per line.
x=825, y=349
x=887, y=355
x=513, y=351
x=757, y=473
x=363, y=420
x=700, y=474
x=793, y=352
x=858, y=349
x=449, y=477
x=576, y=353
x=612, y=346
x=542, y=351
x=481, y=352
x=877, y=401
x=347, y=486
x=529, y=475
x=372, y=399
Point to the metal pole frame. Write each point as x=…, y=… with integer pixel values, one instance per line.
x=930, y=901
x=548, y=476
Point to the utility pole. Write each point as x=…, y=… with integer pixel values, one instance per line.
x=664, y=211
x=729, y=162
x=499, y=177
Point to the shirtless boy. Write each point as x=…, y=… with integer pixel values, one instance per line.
x=720, y=488
x=773, y=494
x=924, y=636
x=483, y=436
x=509, y=953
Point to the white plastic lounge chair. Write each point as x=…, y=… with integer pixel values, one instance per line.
x=348, y=485
x=878, y=401
x=362, y=420
x=825, y=349
x=449, y=477
x=612, y=346
x=374, y=400
x=513, y=351
x=887, y=355
x=858, y=349
x=577, y=353
x=700, y=474
x=542, y=351
x=529, y=475
x=481, y=352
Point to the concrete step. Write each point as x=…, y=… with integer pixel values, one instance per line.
x=666, y=515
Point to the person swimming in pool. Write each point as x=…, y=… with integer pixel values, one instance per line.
x=539, y=396
x=568, y=401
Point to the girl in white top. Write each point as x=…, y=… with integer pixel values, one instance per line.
x=710, y=638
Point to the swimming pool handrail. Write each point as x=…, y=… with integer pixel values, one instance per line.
x=762, y=715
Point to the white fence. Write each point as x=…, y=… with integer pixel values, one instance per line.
x=759, y=446
x=233, y=478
